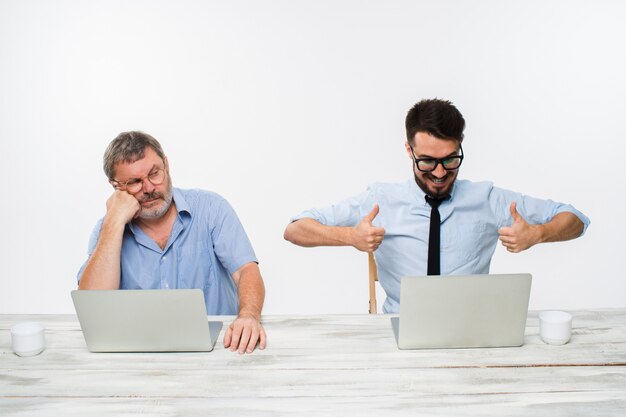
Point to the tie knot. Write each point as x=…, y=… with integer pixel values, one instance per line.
x=434, y=202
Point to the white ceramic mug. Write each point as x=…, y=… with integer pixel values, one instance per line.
x=555, y=327
x=27, y=339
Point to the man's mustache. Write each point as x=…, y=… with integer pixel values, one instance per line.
x=150, y=196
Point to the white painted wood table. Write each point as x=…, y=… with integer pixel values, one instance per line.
x=341, y=365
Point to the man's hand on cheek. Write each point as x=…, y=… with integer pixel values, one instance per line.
x=122, y=206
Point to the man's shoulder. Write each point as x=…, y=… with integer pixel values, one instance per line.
x=389, y=188
x=202, y=204
x=479, y=192
x=474, y=187
x=196, y=196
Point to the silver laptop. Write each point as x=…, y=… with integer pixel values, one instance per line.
x=462, y=311
x=145, y=320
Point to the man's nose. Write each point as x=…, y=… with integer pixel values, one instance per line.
x=439, y=171
x=147, y=186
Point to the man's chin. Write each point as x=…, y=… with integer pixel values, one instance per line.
x=439, y=192
x=434, y=191
x=152, y=212
x=149, y=214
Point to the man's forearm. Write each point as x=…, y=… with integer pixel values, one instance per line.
x=563, y=226
x=251, y=292
x=102, y=271
x=308, y=233
x=246, y=331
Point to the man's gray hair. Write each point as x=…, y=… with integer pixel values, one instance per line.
x=129, y=147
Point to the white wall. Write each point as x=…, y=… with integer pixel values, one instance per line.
x=284, y=105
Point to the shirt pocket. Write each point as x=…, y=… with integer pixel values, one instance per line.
x=465, y=243
x=195, y=266
x=141, y=270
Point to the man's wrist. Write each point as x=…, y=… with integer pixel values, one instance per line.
x=245, y=313
x=113, y=222
x=540, y=233
x=349, y=237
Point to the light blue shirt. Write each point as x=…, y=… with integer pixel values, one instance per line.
x=470, y=220
x=206, y=246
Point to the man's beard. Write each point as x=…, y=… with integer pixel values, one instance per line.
x=436, y=193
x=160, y=210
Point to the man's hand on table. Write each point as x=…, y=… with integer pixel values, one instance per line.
x=244, y=333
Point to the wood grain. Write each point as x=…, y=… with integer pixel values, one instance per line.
x=322, y=365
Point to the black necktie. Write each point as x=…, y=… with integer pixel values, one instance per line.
x=434, y=241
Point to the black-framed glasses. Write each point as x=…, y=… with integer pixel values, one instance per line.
x=449, y=163
x=133, y=185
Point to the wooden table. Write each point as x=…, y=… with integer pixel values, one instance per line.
x=341, y=365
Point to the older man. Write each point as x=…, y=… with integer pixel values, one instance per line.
x=156, y=236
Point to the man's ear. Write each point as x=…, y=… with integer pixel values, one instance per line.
x=408, y=150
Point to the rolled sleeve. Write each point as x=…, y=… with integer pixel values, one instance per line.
x=347, y=212
x=93, y=241
x=231, y=243
x=566, y=208
x=533, y=210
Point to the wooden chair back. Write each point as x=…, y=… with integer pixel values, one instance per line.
x=373, y=277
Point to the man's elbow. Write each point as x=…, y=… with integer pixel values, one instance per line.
x=84, y=284
x=297, y=232
x=580, y=227
x=290, y=234
x=88, y=281
x=573, y=226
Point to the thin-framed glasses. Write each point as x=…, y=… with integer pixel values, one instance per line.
x=449, y=163
x=133, y=185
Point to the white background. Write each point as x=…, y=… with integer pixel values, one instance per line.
x=284, y=105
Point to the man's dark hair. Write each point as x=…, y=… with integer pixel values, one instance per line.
x=129, y=147
x=437, y=117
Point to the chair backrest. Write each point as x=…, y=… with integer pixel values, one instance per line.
x=373, y=277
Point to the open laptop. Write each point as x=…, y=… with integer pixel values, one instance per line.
x=145, y=320
x=462, y=311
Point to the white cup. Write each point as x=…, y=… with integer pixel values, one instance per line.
x=27, y=339
x=555, y=327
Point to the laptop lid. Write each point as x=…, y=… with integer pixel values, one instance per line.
x=462, y=311
x=145, y=320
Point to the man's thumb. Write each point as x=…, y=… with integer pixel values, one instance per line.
x=372, y=214
x=516, y=216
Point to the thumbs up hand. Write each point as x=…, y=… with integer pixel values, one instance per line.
x=365, y=236
x=520, y=235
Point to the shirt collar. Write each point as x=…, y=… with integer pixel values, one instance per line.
x=181, y=203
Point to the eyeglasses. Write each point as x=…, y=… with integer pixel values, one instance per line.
x=449, y=163
x=133, y=185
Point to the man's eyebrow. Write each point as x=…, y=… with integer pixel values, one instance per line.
x=455, y=153
x=149, y=172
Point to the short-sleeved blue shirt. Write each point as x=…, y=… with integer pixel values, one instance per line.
x=206, y=246
x=470, y=220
